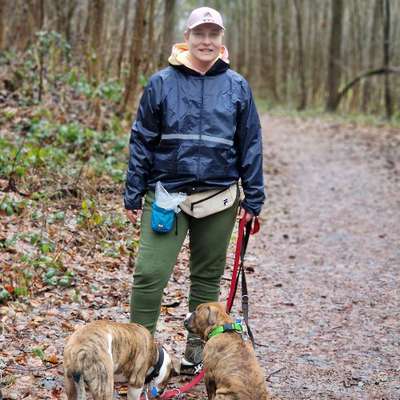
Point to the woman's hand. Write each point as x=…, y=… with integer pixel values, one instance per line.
x=133, y=215
x=247, y=214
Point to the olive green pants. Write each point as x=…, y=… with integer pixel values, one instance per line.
x=209, y=239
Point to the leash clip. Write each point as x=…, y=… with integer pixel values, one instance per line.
x=146, y=396
x=198, y=368
x=245, y=332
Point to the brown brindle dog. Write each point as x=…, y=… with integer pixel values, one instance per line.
x=98, y=352
x=231, y=368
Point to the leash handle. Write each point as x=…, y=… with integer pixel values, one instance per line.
x=252, y=227
x=238, y=254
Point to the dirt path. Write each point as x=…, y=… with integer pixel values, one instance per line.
x=328, y=259
x=324, y=294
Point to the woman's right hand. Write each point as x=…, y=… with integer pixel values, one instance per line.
x=133, y=215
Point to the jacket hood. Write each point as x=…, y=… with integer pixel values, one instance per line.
x=180, y=59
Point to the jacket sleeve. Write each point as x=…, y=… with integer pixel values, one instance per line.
x=249, y=146
x=145, y=134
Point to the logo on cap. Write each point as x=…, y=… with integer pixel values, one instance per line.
x=207, y=15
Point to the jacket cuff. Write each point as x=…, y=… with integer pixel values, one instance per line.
x=137, y=205
x=252, y=210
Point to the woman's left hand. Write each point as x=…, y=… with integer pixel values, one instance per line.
x=246, y=214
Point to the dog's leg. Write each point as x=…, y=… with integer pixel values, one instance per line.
x=102, y=388
x=210, y=386
x=134, y=393
x=70, y=388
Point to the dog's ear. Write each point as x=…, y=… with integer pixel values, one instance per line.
x=176, y=366
x=212, y=316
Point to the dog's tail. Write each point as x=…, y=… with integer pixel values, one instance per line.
x=94, y=375
x=80, y=385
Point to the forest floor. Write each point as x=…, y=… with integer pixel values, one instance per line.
x=323, y=275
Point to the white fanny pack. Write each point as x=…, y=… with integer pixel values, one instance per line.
x=200, y=205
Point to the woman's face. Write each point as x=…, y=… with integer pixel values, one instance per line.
x=204, y=42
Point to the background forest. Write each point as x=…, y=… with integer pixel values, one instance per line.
x=296, y=53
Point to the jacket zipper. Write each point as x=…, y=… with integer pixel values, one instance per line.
x=201, y=129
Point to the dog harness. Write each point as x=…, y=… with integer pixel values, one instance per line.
x=156, y=369
x=234, y=327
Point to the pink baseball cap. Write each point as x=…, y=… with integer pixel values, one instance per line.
x=204, y=15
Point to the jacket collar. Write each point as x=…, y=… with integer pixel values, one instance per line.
x=180, y=59
x=219, y=67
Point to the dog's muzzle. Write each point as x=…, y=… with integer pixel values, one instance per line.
x=187, y=320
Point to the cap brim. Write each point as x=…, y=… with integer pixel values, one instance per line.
x=202, y=23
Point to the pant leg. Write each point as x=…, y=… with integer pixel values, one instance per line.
x=209, y=240
x=156, y=258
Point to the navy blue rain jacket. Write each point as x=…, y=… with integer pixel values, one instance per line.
x=194, y=133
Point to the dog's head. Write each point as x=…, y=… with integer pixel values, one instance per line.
x=205, y=318
x=170, y=367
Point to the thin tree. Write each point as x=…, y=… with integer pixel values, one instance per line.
x=168, y=31
x=36, y=8
x=135, y=56
x=150, y=55
x=386, y=56
x=334, y=66
x=376, y=13
x=303, y=97
x=96, y=31
x=2, y=23
x=123, y=38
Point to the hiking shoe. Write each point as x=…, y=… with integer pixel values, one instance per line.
x=193, y=355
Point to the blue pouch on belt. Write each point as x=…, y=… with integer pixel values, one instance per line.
x=162, y=220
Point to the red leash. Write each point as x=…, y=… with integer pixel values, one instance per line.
x=255, y=227
x=185, y=388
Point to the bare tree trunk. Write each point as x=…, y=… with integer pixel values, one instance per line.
x=23, y=27
x=303, y=98
x=96, y=27
x=241, y=47
x=64, y=12
x=123, y=38
x=167, y=32
x=264, y=48
x=334, y=68
x=274, y=51
x=386, y=56
x=135, y=56
x=61, y=17
x=150, y=56
x=371, y=55
x=380, y=71
x=286, y=51
x=36, y=8
x=2, y=23
x=70, y=13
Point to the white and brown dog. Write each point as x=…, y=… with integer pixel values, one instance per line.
x=231, y=368
x=102, y=352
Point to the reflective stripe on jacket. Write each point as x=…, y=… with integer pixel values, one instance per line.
x=196, y=132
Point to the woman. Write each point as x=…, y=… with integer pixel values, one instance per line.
x=197, y=130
